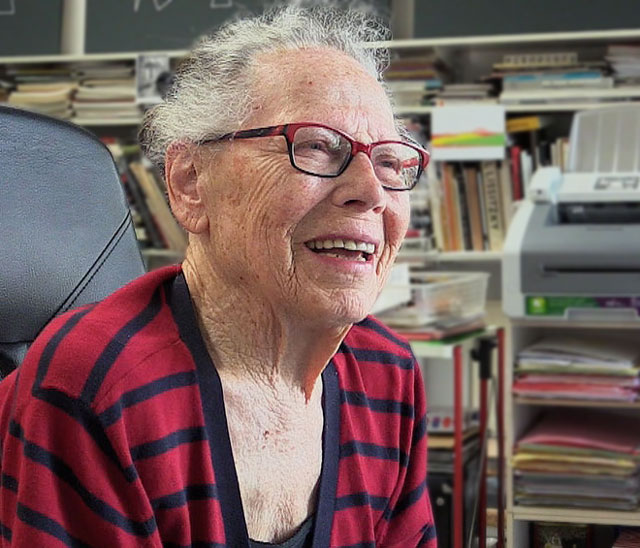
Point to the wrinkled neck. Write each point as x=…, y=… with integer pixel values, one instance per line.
x=250, y=340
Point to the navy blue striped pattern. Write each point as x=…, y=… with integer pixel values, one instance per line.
x=420, y=430
x=375, y=404
x=60, y=469
x=197, y=544
x=117, y=344
x=181, y=498
x=362, y=499
x=380, y=356
x=9, y=482
x=43, y=523
x=372, y=450
x=146, y=392
x=408, y=500
x=5, y=532
x=86, y=418
x=428, y=533
x=385, y=332
x=170, y=441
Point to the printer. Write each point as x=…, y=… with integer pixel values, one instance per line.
x=573, y=247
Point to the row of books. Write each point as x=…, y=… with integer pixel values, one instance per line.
x=522, y=78
x=550, y=77
x=528, y=134
x=155, y=225
x=592, y=369
x=80, y=92
x=471, y=205
x=580, y=459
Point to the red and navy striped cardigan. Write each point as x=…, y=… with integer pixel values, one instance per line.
x=113, y=433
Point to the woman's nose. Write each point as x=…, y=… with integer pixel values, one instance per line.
x=359, y=188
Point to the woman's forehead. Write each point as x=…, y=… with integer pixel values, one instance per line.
x=318, y=85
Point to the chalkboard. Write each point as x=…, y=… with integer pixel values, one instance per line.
x=30, y=27
x=143, y=25
x=449, y=18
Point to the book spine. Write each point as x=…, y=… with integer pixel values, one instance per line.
x=516, y=173
x=492, y=203
x=463, y=206
x=483, y=210
x=473, y=203
x=132, y=184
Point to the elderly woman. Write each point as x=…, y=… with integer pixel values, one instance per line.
x=243, y=398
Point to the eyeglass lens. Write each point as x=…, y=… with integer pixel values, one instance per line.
x=322, y=151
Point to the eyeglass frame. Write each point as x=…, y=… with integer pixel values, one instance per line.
x=288, y=131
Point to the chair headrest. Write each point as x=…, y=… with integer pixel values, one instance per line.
x=66, y=236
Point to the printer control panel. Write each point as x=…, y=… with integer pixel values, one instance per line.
x=610, y=182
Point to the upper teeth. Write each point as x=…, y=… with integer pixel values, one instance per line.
x=351, y=245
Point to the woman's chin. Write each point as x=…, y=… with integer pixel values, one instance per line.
x=339, y=311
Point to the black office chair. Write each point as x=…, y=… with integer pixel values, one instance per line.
x=66, y=235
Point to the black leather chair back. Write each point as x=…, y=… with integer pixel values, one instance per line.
x=66, y=235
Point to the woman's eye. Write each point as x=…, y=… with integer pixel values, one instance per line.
x=321, y=146
x=388, y=163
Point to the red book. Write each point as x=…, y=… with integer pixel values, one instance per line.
x=516, y=174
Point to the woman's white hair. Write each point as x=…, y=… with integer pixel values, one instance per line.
x=211, y=93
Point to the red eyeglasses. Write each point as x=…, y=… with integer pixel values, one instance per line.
x=323, y=151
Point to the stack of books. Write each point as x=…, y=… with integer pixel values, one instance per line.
x=47, y=90
x=413, y=80
x=579, y=369
x=552, y=78
x=579, y=458
x=456, y=94
x=625, y=62
x=105, y=91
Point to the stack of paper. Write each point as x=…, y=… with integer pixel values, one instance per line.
x=625, y=60
x=441, y=450
x=42, y=89
x=412, y=80
x=579, y=458
x=585, y=369
x=105, y=91
x=456, y=94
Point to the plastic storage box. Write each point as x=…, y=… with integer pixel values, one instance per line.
x=440, y=296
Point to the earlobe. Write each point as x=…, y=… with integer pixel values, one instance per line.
x=181, y=173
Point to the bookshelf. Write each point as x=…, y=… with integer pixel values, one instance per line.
x=521, y=412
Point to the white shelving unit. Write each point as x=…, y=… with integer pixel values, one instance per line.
x=534, y=108
x=521, y=413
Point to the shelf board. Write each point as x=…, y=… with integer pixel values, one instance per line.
x=445, y=348
x=507, y=39
x=539, y=107
x=85, y=57
x=576, y=515
x=566, y=107
x=469, y=256
x=440, y=349
x=135, y=121
x=570, y=324
x=599, y=404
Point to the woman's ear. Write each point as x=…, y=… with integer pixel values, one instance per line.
x=181, y=174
